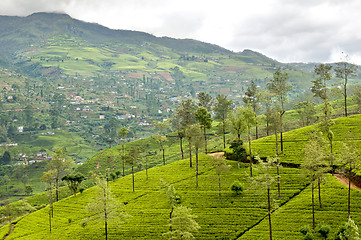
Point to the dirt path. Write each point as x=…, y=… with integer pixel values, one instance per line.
x=216, y=154
x=11, y=230
x=344, y=181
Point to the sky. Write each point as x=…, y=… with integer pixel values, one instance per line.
x=285, y=30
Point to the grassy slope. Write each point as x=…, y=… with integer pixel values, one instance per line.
x=236, y=217
x=149, y=208
x=295, y=140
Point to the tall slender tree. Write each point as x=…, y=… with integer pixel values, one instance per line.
x=348, y=158
x=160, y=137
x=104, y=206
x=267, y=179
x=222, y=108
x=122, y=133
x=344, y=70
x=236, y=123
x=204, y=118
x=205, y=100
x=314, y=164
x=249, y=119
x=184, y=117
x=279, y=87
x=252, y=98
x=60, y=166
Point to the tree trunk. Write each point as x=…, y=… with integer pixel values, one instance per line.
x=50, y=220
x=250, y=151
x=278, y=178
x=281, y=130
x=224, y=135
x=256, y=131
x=170, y=220
x=345, y=95
x=190, y=153
x=267, y=128
x=205, y=140
x=123, y=159
x=313, y=206
x=57, y=188
x=276, y=137
x=133, y=175
x=319, y=192
x=181, y=146
x=219, y=189
x=269, y=213
x=197, y=165
x=106, y=226
x=163, y=155
x=349, y=195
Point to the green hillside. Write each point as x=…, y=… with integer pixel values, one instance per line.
x=236, y=217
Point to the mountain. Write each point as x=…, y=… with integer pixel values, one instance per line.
x=19, y=32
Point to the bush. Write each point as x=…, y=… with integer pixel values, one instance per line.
x=309, y=236
x=236, y=187
x=324, y=230
x=305, y=229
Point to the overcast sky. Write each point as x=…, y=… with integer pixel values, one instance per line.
x=286, y=30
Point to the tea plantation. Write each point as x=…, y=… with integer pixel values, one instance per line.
x=221, y=215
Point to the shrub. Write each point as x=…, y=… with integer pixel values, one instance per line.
x=324, y=230
x=236, y=187
x=305, y=229
x=309, y=236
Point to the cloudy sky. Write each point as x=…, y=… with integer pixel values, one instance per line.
x=286, y=30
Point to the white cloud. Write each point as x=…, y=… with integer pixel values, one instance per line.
x=286, y=30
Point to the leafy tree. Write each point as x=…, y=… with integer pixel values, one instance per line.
x=267, y=100
x=222, y=108
x=194, y=131
x=204, y=118
x=183, y=224
x=161, y=138
x=306, y=112
x=122, y=133
x=267, y=179
x=348, y=158
x=279, y=87
x=184, y=117
x=48, y=177
x=236, y=123
x=73, y=181
x=60, y=166
x=205, y=100
x=315, y=164
x=348, y=231
x=173, y=197
x=319, y=87
x=252, y=98
x=6, y=158
x=104, y=207
x=110, y=128
x=220, y=167
x=239, y=152
x=28, y=190
x=236, y=187
x=344, y=70
x=326, y=124
x=132, y=158
x=249, y=119
x=324, y=230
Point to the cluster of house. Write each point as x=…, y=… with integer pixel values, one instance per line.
x=33, y=158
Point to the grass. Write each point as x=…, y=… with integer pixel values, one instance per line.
x=237, y=217
x=149, y=207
